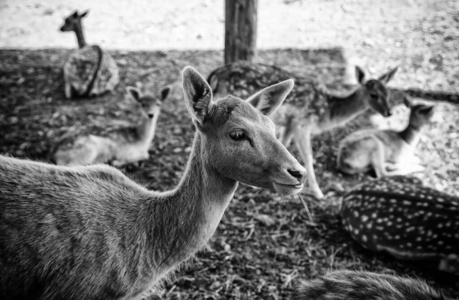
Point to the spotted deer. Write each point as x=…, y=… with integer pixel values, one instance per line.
x=90, y=232
x=310, y=108
x=88, y=71
x=359, y=285
x=405, y=219
x=118, y=146
x=387, y=152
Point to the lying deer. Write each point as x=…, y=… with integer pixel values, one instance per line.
x=310, y=108
x=88, y=71
x=406, y=220
x=387, y=152
x=92, y=233
x=359, y=285
x=118, y=146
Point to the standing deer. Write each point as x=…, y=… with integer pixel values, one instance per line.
x=88, y=71
x=92, y=233
x=118, y=146
x=387, y=152
x=409, y=221
x=359, y=285
x=310, y=108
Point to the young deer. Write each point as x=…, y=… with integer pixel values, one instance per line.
x=405, y=219
x=310, y=108
x=88, y=71
x=92, y=233
x=119, y=146
x=387, y=152
x=358, y=285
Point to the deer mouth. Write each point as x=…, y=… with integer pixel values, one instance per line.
x=288, y=189
x=150, y=116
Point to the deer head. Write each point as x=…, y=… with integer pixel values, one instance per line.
x=376, y=91
x=238, y=139
x=73, y=22
x=151, y=105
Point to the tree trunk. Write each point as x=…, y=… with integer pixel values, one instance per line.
x=240, y=30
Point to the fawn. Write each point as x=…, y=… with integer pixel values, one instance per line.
x=92, y=233
x=387, y=152
x=119, y=146
x=310, y=108
x=359, y=285
x=399, y=216
x=88, y=71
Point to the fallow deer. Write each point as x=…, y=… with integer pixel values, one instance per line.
x=92, y=233
x=359, y=285
x=387, y=152
x=405, y=219
x=310, y=108
x=88, y=71
x=117, y=146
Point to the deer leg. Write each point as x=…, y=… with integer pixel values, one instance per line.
x=378, y=160
x=68, y=90
x=287, y=136
x=402, y=169
x=303, y=143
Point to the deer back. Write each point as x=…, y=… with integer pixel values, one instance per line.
x=404, y=219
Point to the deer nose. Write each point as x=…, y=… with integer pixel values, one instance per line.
x=298, y=174
x=389, y=113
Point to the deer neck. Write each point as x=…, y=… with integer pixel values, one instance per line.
x=147, y=128
x=184, y=219
x=80, y=36
x=344, y=109
x=411, y=134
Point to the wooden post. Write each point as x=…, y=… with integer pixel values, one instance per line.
x=240, y=30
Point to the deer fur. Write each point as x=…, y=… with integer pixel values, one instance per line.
x=359, y=285
x=120, y=145
x=405, y=219
x=310, y=108
x=387, y=152
x=88, y=71
x=92, y=233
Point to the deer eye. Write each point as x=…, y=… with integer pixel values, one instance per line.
x=237, y=135
x=374, y=96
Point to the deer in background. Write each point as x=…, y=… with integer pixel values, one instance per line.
x=92, y=233
x=88, y=71
x=399, y=216
x=310, y=108
x=359, y=285
x=387, y=152
x=119, y=146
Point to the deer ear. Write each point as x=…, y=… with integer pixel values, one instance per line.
x=75, y=14
x=360, y=74
x=385, y=78
x=198, y=95
x=269, y=99
x=84, y=14
x=164, y=93
x=134, y=92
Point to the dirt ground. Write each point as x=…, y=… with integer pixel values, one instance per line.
x=263, y=242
